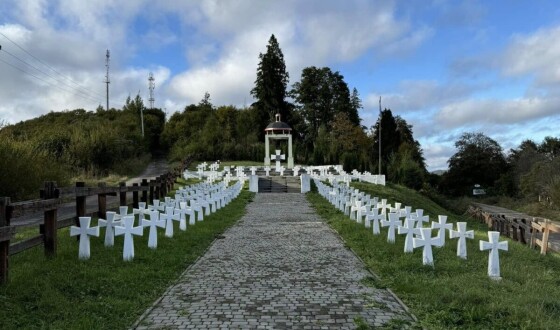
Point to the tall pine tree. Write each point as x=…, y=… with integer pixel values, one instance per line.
x=270, y=86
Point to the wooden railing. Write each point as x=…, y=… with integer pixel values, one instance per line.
x=54, y=198
x=532, y=231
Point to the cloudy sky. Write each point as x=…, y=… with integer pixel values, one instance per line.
x=447, y=67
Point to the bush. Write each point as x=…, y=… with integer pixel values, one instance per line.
x=24, y=170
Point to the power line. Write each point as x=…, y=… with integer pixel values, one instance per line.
x=48, y=82
x=46, y=64
x=85, y=93
x=81, y=92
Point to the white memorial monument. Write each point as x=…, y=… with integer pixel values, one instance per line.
x=278, y=131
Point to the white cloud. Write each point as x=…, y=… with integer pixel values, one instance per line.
x=496, y=112
x=535, y=54
x=418, y=95
x=308, y=34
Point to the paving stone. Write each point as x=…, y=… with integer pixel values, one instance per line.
x=280, y=266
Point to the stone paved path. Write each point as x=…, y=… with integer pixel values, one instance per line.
x=280, y=267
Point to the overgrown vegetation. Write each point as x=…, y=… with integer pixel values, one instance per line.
x=104, y=292
x=61, y=145
x=456, y=293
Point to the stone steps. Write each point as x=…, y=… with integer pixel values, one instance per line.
x=279, y=184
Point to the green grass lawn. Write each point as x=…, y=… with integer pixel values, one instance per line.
x=104, y=292
x=456, y=293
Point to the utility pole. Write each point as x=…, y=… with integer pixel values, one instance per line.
x=107, y=76
x=380, y=116
x=151, y=86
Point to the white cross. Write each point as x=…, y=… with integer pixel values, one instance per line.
x=85, y=231
x=169, y=202
x=396, y=209
x=253, y=170
x=383, y=206
x=441, y=226
x=348, y=206
x=140, y=211
x=267, y=170
x=157, y=206
x=281, y=170
x=354, y=208
x=426, y=241
x=374, y=217
x=409, y=230
x=206, y=204
x=153, y=223
x=360, y=212
x=123, y=212
x=168, y=217
x=277, y=158
x=197, y=207
x=494, y=258
x=420, y=218
x=184, y=209
x=406, y=212
x=128, y=230
x=109, y=224
x=462, y=234
x=393, y=223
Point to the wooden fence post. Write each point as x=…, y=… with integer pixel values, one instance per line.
x=5, y=217
x=163, y=185
x=145, y=192
x=157, y=188
x=50, y=225
x=80, y=205
x=546, y=232
x=152, y=185
x=102, y=202
x=122, y=194
x=135, y=196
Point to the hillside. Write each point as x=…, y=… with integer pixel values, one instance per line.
x=455, y=293
x=59, y=146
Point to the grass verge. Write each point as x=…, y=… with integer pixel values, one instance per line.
x=456, y=293
x=104, y=292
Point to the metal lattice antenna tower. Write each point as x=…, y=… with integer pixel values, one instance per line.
x=107, y=76
x=151, y=86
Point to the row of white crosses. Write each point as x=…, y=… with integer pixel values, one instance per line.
x=358, y=205
x=199, y=198
x=341, y=176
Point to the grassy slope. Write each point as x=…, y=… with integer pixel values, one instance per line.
x=103, y=292
x=455, y=293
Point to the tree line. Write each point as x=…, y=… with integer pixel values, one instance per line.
x=531, y=170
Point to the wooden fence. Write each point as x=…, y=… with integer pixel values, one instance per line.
x=54, y=198
x=533, y=231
